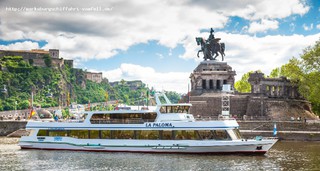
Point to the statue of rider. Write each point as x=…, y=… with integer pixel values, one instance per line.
x=211, y=36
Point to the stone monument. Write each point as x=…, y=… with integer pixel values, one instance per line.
x=270, y=99
x=210, y=74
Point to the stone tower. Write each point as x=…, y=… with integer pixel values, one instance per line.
x=209, y=76
x=54, y=53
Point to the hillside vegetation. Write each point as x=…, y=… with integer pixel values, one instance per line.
x=54, y=86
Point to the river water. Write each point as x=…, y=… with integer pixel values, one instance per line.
x=283, y=156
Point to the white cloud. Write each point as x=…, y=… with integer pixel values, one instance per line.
x=255, y=10
x=307, y=28
x=26, y=45
x=263, y=26
x=318, y=26
x=89, y=35
x=170, y=81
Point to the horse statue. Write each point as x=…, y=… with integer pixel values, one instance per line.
x=210, y=47
x=218, y=47
x=205, y=48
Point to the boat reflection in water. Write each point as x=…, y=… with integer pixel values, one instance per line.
x=164, y=128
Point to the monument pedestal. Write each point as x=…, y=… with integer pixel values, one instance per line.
x=209, y=76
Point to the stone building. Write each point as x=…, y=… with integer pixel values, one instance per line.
x=36, y=57
x=209, y=76
x=273, y=87
x=93, y=76
x=133, y=85
x=30, y=54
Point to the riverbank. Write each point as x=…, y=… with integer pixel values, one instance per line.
x=9, y=140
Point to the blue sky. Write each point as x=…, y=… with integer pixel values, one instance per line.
x=154, y=41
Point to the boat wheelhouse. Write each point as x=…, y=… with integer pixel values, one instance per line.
x=164, y=128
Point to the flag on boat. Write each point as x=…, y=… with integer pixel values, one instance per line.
x=32, y=112
x=275, y=129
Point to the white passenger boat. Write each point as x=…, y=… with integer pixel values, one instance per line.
x=165, y=128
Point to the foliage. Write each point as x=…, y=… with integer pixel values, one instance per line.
x=65, y=113
x=305, y=72
x=243, y=85
x=55, y=86
x=174, y=97
x=47, y=60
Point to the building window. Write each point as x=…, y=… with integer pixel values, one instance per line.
x=218, y=85
x=211, y=84
x=225, y=82
x=204, y=85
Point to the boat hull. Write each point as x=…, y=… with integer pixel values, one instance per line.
x=153, y=146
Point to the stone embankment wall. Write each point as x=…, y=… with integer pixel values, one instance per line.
x=281, y=126
x=7, y=127
x=288, y=136
x=298, y=131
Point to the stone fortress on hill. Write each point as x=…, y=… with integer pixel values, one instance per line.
x=37, y=58
x=270, y=98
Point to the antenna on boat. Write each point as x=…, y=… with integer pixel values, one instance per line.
x=162, y=94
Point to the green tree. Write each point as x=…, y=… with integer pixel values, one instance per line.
x=305, y=72
x=47, y=60
x=243, y=85
x=173, y=96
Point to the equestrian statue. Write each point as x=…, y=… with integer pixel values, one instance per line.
x=211, y=47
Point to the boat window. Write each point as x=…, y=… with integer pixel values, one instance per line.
x=81, y=134
x=57, y=133
x=148, y=134
x=141, y=134
x=185, y=135
x=205, y=134
x=123, y=118
x=166, y=135
x=122, y=134
x=105, y=134
x=174, y=109
x=213, y=135
x=162, y=109
x=220, y=135
x=169, y=109
x=237, y=133
x=94, y=134
x=42, y=132
x=186, y=109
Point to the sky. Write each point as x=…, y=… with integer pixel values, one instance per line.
x=154, y=40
